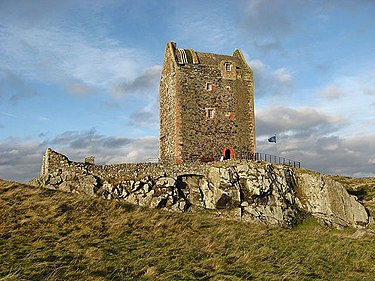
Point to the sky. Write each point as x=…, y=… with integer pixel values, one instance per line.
x=82, y=77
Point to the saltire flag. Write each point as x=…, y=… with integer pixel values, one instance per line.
x=272, y=139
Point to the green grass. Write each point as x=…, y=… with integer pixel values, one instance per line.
x=51, y=235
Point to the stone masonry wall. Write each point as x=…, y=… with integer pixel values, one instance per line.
x=187, y=134
x=240, y=190
x=168, y=104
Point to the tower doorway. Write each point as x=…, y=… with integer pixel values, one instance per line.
x=228, y=153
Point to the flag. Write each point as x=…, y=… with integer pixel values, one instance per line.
x=272, y=139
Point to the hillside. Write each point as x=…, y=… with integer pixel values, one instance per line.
x=53, y=235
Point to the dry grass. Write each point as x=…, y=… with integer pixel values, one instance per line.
x=50, y=235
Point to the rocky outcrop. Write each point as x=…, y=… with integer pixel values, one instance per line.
x=241, y=190
x=328, y=201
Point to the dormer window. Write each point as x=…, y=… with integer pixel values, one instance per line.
x=228, y=70
x=228, y=67
x=210, y=87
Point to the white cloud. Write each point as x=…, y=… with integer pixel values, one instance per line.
x=349, y=96
x=369, y=91
x=331, y=92
x=68, y=56
x=8, y=114
x=330, y=147
x=145, y=84
x=283, y=76
x=311, y=136
x=302, y=121
x=19, y=161
x=333, y=155
x=145, y=117
x=268, y=81
x=107, y=149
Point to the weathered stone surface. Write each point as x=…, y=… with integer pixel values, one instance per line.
x=241, y=190
x=328, y=201
x=87, y=184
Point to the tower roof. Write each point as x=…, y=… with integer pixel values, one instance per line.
x=215, y=59
x=189, y=56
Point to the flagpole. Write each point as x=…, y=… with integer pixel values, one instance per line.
x=275, y=148
x=273, y=139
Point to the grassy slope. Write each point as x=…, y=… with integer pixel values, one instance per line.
x=50, y=235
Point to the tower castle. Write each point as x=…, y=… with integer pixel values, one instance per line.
x=206, y=106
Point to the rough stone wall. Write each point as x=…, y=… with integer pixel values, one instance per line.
x=231, y=96
x=240, y=190
x=168, y=105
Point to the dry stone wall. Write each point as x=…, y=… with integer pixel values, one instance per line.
x=241, y=190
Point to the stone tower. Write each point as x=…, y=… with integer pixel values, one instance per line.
x=206, y=106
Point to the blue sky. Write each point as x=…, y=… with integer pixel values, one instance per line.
x=82, y=77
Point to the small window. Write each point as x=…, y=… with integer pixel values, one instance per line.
x=229, y=89
x=228, y=67
x=210, y=112
x=210, y=87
